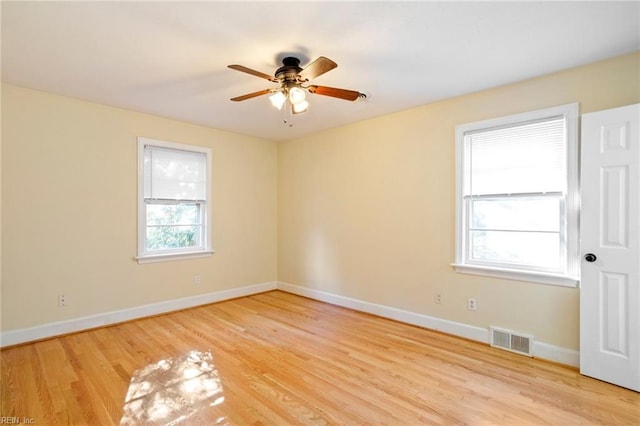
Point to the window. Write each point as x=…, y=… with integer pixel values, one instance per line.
x=517, y=197
x=173, y=200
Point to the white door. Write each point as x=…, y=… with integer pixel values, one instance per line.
x=610, y=245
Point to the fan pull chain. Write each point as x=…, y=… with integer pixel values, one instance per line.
x=287, y=114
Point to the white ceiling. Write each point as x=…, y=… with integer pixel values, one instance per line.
x=170, y=58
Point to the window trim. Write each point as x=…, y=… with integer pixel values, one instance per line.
x=571, y=277
x=183, y=253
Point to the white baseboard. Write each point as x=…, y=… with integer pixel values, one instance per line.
x=14, y=337
x=556, y=354
x=450, y=327
x=540, y=350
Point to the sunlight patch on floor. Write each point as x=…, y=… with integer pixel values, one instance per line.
x=173, y=390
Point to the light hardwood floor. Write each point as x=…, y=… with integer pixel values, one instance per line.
x=279, y=359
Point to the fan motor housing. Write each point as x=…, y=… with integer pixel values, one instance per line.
x=289, y=69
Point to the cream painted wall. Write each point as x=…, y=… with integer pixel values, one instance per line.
x=368, y=210
x=69, y=210
x=0, y=212
x=364, y=211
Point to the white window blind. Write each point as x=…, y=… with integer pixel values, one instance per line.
x=529, y=158
x=171, y=174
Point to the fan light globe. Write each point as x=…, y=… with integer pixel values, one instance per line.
x=300, y=107
x=278, y=99
x=296, y=95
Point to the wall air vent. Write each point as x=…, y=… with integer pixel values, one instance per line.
x=511, y=341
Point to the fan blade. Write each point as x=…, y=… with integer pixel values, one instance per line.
x=347, y=95
x=252, y=72
x=251, y=95
x=317, y=68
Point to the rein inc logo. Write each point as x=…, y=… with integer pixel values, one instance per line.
x=17, y=421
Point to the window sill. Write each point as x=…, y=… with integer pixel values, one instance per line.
x=529, y=276
x=173, y=256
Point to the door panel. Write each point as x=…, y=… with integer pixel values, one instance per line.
x=610, y=230
x=614, y=212
x=613, y=308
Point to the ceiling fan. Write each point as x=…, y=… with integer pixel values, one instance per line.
x=292, y=80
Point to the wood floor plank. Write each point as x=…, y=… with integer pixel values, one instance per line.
x=276, y=358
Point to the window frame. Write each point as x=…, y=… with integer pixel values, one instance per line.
x=569, y=276
x=205, y=248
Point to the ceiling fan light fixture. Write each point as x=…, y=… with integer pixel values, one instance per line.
x=278, y=99
x=292, y=93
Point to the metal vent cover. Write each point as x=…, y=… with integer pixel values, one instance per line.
x=511, y=341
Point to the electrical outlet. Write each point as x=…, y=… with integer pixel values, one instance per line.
x=472, y=305
x=196, y=279
x=437, y=298
x=62, y=300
